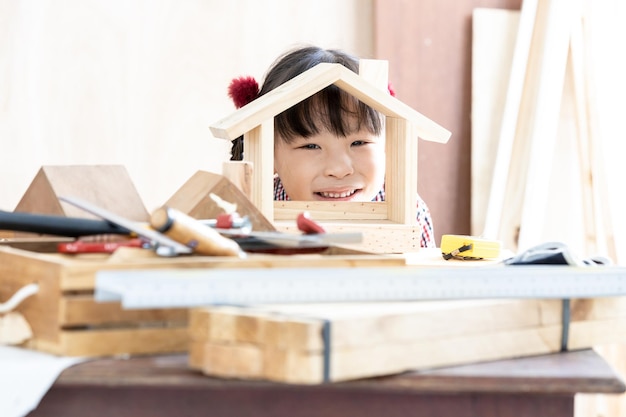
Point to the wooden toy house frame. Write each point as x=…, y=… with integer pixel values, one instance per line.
x=403, y=126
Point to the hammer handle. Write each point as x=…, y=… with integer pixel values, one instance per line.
x=192, y=233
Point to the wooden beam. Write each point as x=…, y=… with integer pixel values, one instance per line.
x=551, y=39
x=509, y=124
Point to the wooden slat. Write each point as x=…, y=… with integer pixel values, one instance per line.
x=294, y=366
x=598, y=222
x=259, y=150
x=379, y=236
x=131, y=341
x=363, y=324
x=82, y=310
x=401, y=172
x=510, y=122
x=493, y=41
x=391, y=107
x=240, y=173
x=552, y=38
x=323, y=210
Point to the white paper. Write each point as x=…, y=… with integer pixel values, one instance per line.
x=25, y=377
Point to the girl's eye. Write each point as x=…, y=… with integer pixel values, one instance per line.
x=310, y=146
x=359, y=143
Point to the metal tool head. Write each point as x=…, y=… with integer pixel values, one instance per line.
x=163, y=244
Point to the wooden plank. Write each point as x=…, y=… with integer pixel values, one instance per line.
x=401, y=172
x=295, y=366
x=107, y=342
x=259, y=150
x=391, y=107
x=240, y=173
x=509, y=124
x=77, y=273
x=379, y=236
x=322, y=210
x=493, y=41
x=598, y=224
x=82, y=310
x=552, y=35
x=298, y=327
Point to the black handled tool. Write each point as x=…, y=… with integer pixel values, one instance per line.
x=57, y=225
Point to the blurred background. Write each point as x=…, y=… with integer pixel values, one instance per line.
x=138, y=82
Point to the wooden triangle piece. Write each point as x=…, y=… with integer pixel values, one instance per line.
x=194, y=199
x=107, y=186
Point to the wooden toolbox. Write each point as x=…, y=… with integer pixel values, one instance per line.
x=66, y=320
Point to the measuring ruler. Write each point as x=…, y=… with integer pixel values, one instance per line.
x=139, y=289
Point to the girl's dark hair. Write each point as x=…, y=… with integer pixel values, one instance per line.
x=330, y=109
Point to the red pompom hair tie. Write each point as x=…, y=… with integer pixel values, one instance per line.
x=243, y=90
x=392, y=91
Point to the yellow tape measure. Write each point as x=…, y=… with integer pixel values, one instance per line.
x=469, y=247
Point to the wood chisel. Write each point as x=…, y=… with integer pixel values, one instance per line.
x=202, y=239
x=164, y=245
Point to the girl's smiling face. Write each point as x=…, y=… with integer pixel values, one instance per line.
x=327, y=167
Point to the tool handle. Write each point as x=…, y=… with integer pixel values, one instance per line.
x=98, y=247
x=57, y=225
x=192, y=233
x=307, y=225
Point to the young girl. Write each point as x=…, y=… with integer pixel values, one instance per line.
x=327, y=147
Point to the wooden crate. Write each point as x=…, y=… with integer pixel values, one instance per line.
x=66, y=320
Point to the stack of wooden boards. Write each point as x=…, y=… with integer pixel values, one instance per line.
x=314, y=343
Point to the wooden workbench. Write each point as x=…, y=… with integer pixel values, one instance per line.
x=160, y=386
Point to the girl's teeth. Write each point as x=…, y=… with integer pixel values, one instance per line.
x=337, y=195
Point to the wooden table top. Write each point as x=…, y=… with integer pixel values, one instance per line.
x=566, y=373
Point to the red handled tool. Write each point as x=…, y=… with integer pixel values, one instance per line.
x=100, y=247
x=307, y=225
